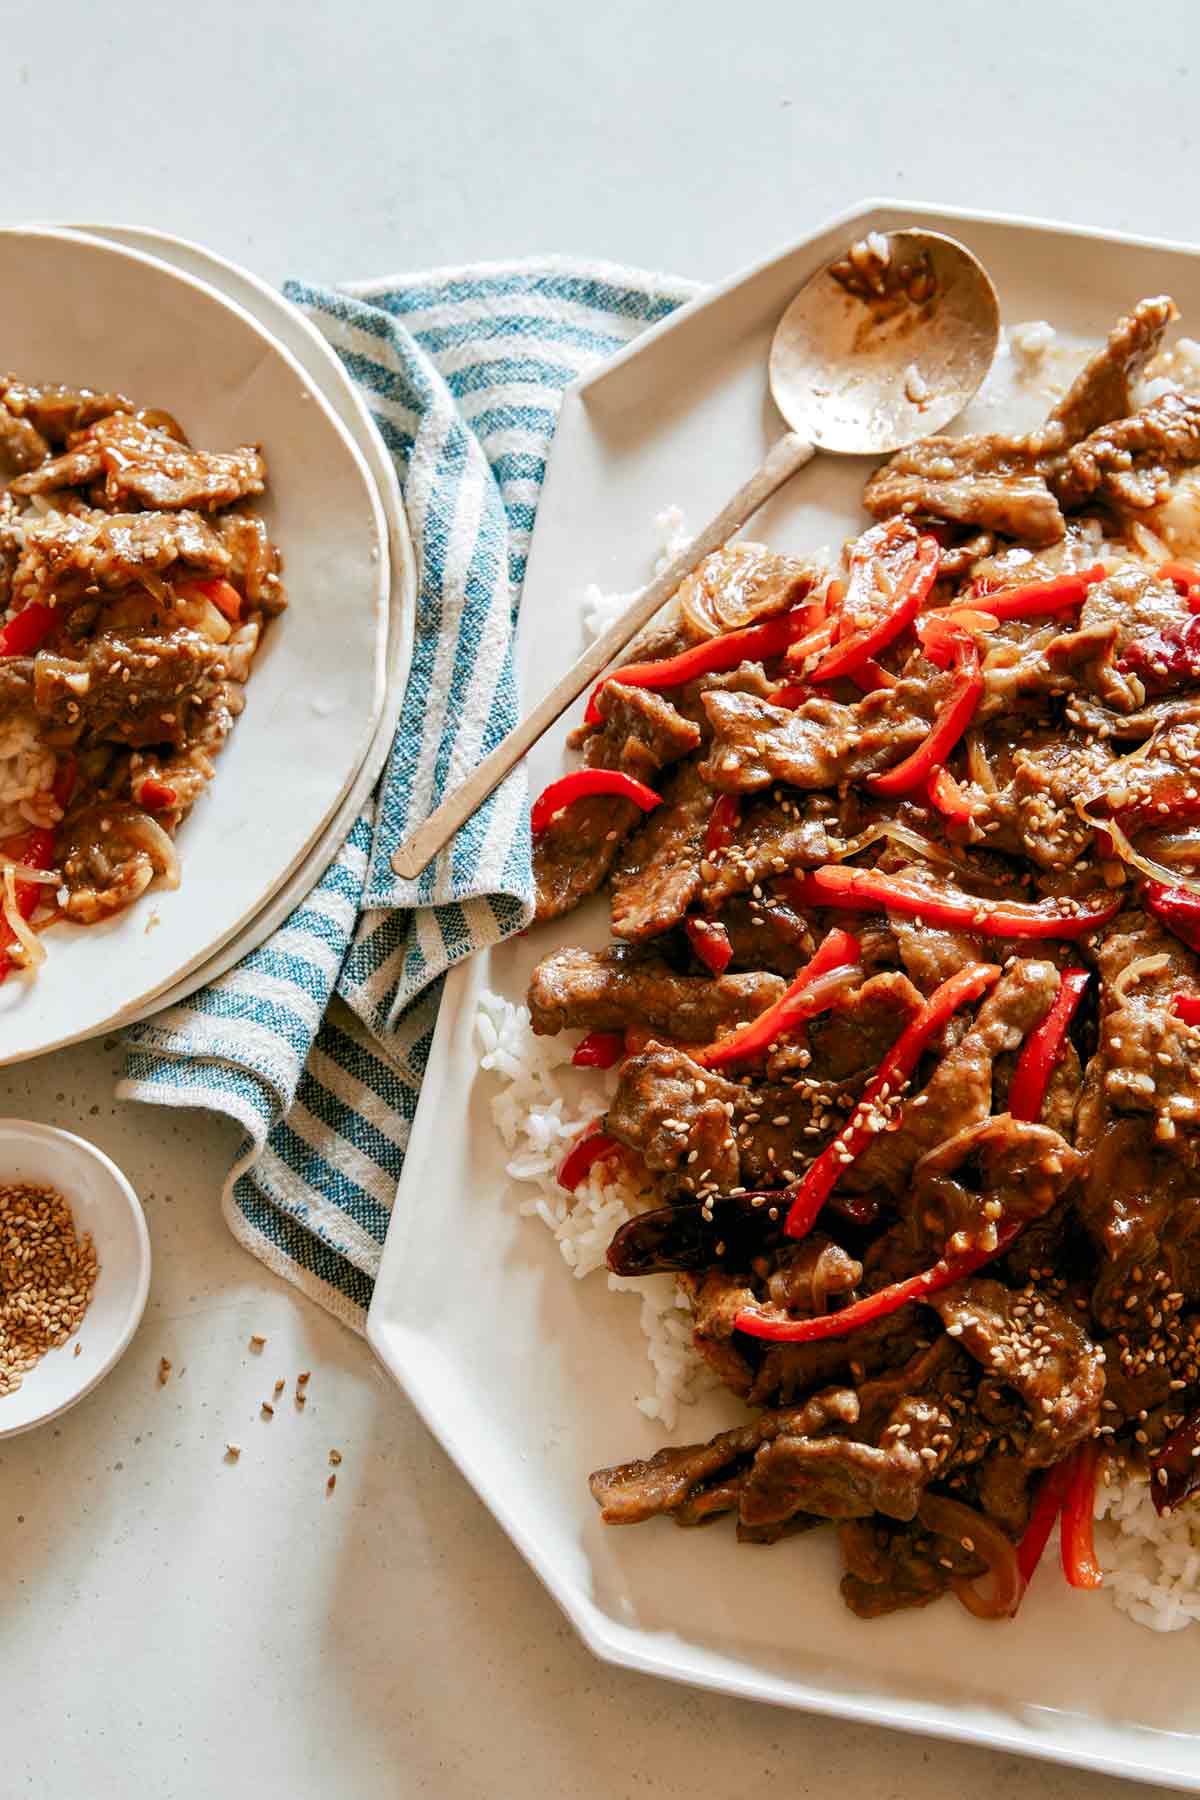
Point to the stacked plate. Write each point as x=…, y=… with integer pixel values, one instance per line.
x=176, y=327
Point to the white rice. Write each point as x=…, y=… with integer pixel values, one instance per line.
x=601, y=609
x=1151, y=1564
x=26, y=777
x=1030, y=340
x=542, y=1106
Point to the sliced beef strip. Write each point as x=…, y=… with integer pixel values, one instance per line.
x=131, y=690
x=743, y=582
x=109, y=858
x=1128, y=607
x=1004, y=483
x=606, y=990
x=57, y=411
x=656, y=876
x=1130, y=462
x=146, y=466
x=931, y=954
x=1016, y=1170
x=848, y=1043
x=254, y=563
x=770, y=936
x=632, y=1492
x=64, y=552
x=1002, y=1483
x=639, y=734
x=1151, y=1057
x=22, y=445
x=959, y=1093
x=892, y=1567
x=1038, y=1348
x=717, y=1298
x=776, y=833
x=1034, y=812
x=820, y=743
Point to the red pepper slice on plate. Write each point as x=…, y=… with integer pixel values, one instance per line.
x=599, y=1050
x=36, y=850
x=155, y=795
x=781, y=1328
x=1043, y=1049
x=710, y=941
x=870, y=890
x=951, y=720
x=752, y=642
x=1177, y=908
x=65, y=776
x=590, y=1148
x=872, y=676
x=1059, y=594
x=722, y=823
x=223, y=595
x=947, y=797
x=581, y=784
x=792, y=1008
x=907, y=596
x=1186, y=577
x=892, y=1075
x=1080, y=1564
x=28, y=631
x=1052, y=1491
x=1186, y=1007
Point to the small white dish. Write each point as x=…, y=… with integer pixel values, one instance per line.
x=106, y=1208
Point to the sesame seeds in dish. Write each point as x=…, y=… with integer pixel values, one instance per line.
x=136, y=580
x=895, y=1134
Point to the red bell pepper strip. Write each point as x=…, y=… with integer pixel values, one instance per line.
x=36, y=850
x=1186, y=577
x=870, y=890
x=1177, y=908
x=1187, y=1008
x=791, y=1009
x=780, y=1328
x=156, y=796
x=753, y=642
x=722, y=823
x=1043, y=1049
x=28, y=631
x=710, y=941
x=901, y=608
x=65, y=776
x=791, y=694
x=947, y=797
x=952, y=719
x=892, y=1076
x=591, y=1148
x=599, y=1050
x=1080, y=1565
x=1046, y=1507
x=581, y=784
x=1059, y=594
x=224, y=597
x=872, y=676
x=810, y=645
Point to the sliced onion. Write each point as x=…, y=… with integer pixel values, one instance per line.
x=979, y=766
x=951, y=1519
x=733, y=603
x=1145, y=865
x=147, y=832
x=22, y=872
x=894, y=832
x=1140, y=968
x=31, y=944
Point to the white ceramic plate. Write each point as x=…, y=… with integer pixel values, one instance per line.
x=104, y=1207
x=527, y=1376
x=79, y=310
x=314, y=355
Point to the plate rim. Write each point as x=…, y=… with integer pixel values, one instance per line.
x=148, y=1000
x=388, y=1336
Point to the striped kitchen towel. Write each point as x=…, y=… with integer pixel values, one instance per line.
x=316, y=1044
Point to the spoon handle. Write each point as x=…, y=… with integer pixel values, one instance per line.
x=788, y=455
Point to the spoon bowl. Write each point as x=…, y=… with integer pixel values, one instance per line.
x=885, y=346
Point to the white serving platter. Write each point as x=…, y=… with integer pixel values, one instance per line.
x=78, y=309
x=527, y=1376
x=319, y=362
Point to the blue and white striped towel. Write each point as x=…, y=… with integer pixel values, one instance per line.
x=316, y=1044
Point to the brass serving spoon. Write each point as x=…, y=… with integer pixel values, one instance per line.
x=883, y=347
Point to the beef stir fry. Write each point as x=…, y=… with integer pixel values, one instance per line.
x=135, y=583
x=904, y=999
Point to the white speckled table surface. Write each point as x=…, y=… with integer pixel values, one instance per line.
x=179, y=1628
